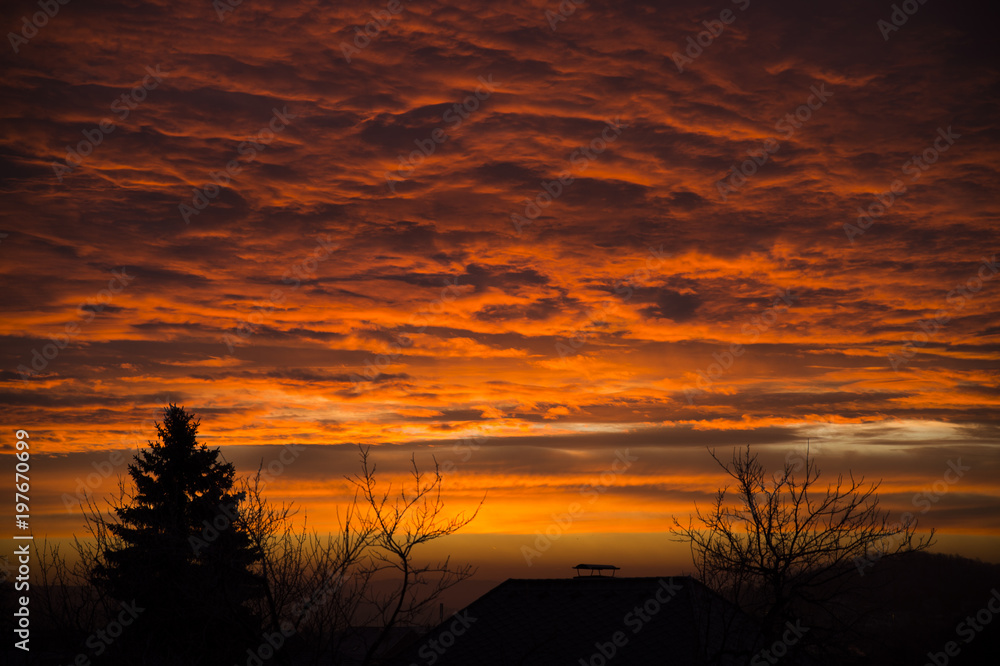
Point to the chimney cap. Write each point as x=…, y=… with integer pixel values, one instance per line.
x=595, y=567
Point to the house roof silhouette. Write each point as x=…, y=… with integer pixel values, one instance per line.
x=591, y=620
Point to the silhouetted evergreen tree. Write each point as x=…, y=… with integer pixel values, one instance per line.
x=181, y=559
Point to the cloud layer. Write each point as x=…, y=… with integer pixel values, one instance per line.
x=498, y=220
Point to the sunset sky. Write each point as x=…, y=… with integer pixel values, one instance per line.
x=532, y=240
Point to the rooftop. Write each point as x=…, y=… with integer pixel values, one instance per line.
x=560, y=621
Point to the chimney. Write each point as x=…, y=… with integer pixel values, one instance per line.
x=599, y=569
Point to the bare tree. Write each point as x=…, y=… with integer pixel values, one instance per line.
x=71, y=605
x=783, y=547
x=366, y=573
x=398, y=524
x=312, y=580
